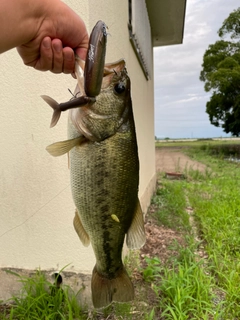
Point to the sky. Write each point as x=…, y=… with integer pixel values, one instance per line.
x=180, y=99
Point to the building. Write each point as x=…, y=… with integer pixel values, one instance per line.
x=36, y=206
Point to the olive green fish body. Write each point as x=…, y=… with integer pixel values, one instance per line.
x=105, y=169
x=104, y=180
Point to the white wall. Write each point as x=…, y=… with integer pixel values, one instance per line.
x=36, y=207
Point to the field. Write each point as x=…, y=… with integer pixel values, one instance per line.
x=189, y=267
x=226, y=147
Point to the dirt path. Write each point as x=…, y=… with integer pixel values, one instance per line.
x=171, y=159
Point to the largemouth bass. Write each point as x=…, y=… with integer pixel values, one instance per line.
x=104, y=168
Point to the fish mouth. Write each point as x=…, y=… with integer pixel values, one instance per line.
x=109, y=71
x=112, y=69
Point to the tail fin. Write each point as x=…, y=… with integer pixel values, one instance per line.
x=105, y=290
x=56, y=110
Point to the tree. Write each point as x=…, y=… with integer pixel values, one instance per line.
x=221, y=74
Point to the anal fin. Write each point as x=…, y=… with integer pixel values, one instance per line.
x=81, y=232
x=136, y=233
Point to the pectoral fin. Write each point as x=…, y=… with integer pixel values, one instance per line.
x=59, y=148
x=136, y=234
x=81, y=232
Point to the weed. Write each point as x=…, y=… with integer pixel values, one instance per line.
x=118, y=310
x=41, y=299
x=197, y=175
x=170, y=202
x=218, y=215
x=184, y=289
x=152, y=270
x=151, y=315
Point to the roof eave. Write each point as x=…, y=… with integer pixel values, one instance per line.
x=167, y=19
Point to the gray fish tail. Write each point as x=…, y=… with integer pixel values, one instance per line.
x=56, y=110
x=105, y=290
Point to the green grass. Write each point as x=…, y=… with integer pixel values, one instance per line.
x=183, y=285
x=218, y=215
x=190, y=287
x=185, y=292
x=170, y=205
x=41, y=299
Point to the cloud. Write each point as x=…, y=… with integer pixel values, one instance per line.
x=180, y=99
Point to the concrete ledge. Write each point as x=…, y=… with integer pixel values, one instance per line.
x=11, y=284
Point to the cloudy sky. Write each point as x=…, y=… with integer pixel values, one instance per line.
x=180, y=100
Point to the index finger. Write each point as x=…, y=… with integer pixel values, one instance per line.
x=82, y=52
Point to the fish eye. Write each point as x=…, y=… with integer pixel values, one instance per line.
x=119, y=88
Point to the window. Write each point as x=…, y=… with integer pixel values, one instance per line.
x=140, y=34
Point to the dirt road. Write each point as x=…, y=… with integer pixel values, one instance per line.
x=171, y=159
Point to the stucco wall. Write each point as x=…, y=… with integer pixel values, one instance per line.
x=36, y=207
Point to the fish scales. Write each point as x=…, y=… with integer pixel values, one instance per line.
x=104, y=169
x=104, y=181
x=104, y=178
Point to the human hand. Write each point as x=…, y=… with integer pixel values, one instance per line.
x=61, y=34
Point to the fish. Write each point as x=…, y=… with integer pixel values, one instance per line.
x=104, y=171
